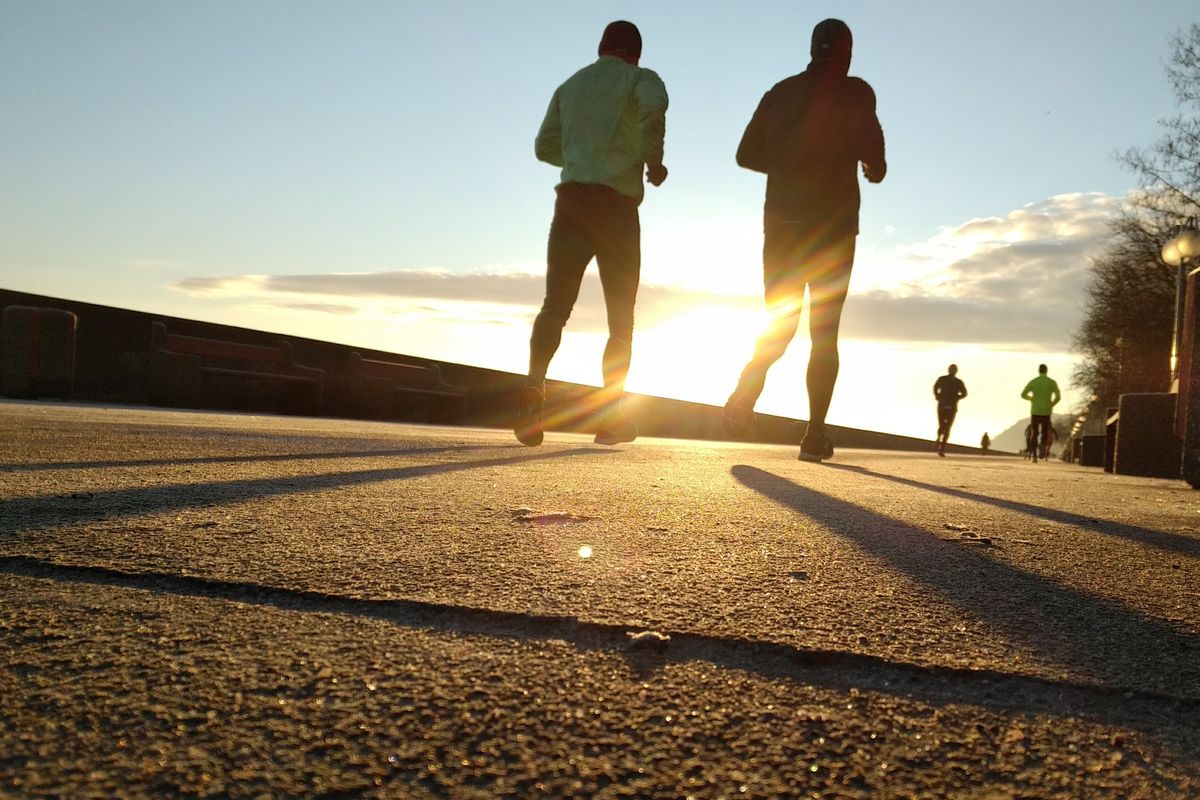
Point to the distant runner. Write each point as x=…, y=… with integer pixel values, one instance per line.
x=1042, y=394
x=948, y=390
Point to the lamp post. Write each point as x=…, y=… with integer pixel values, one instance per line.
x=1178, y=252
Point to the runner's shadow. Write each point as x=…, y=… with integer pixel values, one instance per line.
x=1099, y=639
x=252, y=459
x=26, y=514
x=1162, y=540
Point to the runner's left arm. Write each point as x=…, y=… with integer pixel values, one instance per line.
x=651, y=96
x=870, y=137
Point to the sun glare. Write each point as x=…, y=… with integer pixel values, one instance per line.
x=695, y=355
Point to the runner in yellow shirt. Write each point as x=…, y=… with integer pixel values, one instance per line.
x=604, y=126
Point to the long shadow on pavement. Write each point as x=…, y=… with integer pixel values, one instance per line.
x=1096, y=638
x=1171, y=717
x=1161, y=539
x=35, y=513
x=42, y=466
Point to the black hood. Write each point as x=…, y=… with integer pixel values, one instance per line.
x=832, y=44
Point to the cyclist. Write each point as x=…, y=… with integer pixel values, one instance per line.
x=1043, y=394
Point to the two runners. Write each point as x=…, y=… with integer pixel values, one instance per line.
x=809, y=135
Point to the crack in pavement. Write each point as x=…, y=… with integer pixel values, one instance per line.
x=837, y=669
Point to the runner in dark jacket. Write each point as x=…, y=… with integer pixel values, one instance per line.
x=809, y=135
x=948, y=390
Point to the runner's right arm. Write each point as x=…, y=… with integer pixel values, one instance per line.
x=548, y=144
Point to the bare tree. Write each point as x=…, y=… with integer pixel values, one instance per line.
x=1125, y=336
x=1172, y=164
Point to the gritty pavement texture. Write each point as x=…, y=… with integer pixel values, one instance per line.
x=224, y=605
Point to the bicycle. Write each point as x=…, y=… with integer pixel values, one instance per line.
x=1047, y=441
x=1038, y=439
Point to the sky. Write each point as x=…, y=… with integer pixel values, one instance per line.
x=363, y=172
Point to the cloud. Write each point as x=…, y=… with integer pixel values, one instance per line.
x=1014, y=280
x=1056, y=235
x=467, y=297
x=883, y=317
x=323, y=308
x=1019, y=279
x=231, y=286
x=515, y=288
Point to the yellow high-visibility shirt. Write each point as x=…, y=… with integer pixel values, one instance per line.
x=1042, y=394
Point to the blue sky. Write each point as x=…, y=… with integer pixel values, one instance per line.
x=363, y=172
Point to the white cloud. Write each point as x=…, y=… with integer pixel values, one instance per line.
x=1068, y=227
x=231, y=286
x=1016, y=280
x=323, y=308
x=470, y=297
x=519, y=288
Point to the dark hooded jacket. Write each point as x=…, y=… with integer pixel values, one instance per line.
x=808, y=134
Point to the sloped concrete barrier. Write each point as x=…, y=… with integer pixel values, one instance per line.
x=38, y=352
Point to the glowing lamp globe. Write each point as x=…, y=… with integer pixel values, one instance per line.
x=1188, y=244
x=1171, y=255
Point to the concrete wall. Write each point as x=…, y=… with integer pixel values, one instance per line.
x=112, y=355
x=1146, y=443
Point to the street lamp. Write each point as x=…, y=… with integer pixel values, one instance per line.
x=1178, y=252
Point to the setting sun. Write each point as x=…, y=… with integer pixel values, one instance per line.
x=696, y=354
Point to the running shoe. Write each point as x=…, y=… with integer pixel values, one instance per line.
x=737, y=417
x=816, y=447
x=528, y=426
x=617, y=432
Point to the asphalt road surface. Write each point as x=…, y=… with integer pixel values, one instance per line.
x=224, y=605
